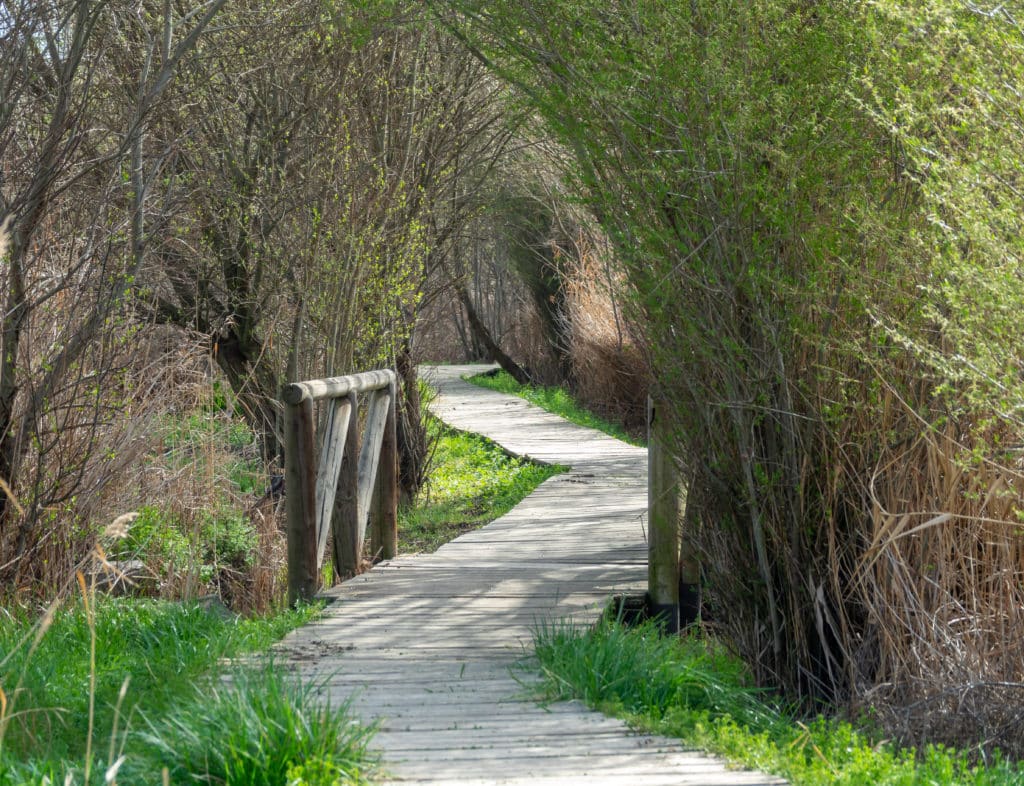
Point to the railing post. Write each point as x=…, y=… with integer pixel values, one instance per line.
x=384, y=532
x=300, y=500
x=348, y=546
x=662, y=523
x=356, y=483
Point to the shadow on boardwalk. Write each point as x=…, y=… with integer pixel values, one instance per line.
x=426, y=642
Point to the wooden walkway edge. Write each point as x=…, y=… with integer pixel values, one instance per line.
x=426, y=643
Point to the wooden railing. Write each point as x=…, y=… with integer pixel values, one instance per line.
x=353, y=484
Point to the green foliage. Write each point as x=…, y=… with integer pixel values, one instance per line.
x=692, y=689
x=471, y=481
x=260, y=728
x=155, y=652
x=318, y=772
x=212, y=438
x=155, y=538
x=161, y=539
x=817, y=209
x=552, y=399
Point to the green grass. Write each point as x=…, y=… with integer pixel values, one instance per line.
x=154, y=675
x=472, y=481
x=690, y=689
x=555, y=400
x=261, y=729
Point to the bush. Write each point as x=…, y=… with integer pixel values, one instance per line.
x=817, y=209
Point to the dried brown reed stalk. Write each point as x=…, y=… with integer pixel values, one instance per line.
x=942, y=584
x=189, y=482
x=610, y=373
x=90, y=442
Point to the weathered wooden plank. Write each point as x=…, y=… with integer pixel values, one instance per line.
x=348, y=544
x=384, y=530
x=337, y=387
x=369, y=455
x=300, y=502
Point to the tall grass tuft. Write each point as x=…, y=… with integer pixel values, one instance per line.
x=76, y=683
x=637, y=670
x=254, y=728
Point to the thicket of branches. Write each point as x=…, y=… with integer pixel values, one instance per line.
x=276, y=181
x=817, y=209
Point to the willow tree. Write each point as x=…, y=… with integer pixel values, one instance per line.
x=821, y=237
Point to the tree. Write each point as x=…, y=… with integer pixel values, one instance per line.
x=72, y=126
x=823, y=265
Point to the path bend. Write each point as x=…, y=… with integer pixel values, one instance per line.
x=425, y=643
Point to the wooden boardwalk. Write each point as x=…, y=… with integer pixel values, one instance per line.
x=426, y=644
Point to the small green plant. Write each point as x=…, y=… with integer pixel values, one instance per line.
x=212, y=438
x=318, y=772
x=471, y=482
x=692, y=689
x=155, y=536
x=555, y=400
x=228, y=538
x=222, y=538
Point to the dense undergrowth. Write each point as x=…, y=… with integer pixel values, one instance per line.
x=554, y=399
x=120, y=688
x=691, y=688
x=823, y=263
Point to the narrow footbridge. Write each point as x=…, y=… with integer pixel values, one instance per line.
x=427, y=644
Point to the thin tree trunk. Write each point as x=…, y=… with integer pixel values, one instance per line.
x=517, y=372
x=255, y=388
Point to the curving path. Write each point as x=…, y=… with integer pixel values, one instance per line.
x=426, y=643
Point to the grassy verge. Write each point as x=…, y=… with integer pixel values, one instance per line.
x=690, y=689
x=472, y=481
x=126, y=687
x=555, y=400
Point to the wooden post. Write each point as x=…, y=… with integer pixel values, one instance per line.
x=384, y=532
x=662, y=524
x=689, y=569
x=348, y=543
x=331, y=457
x=300, y=500
x=369, y=454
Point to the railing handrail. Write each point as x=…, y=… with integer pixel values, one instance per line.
x=336, y=387
x=350, y=487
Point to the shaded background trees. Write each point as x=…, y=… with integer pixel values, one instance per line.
x=277, y=184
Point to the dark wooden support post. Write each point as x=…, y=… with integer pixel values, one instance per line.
x=662, y=524
x=300, y=505
x=348, y=544
x=384, y=529
x=689, y=570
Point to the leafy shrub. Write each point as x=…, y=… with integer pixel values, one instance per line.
x=818, y=211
